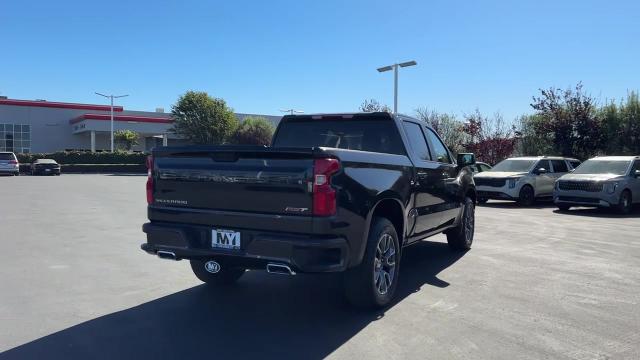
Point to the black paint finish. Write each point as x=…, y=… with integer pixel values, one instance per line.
x=265, y=193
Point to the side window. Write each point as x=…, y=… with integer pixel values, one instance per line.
x=416, y=140
x=636, y=166
x=543, y=164
x=559, y=166
x=484, y=167
x=440, y=152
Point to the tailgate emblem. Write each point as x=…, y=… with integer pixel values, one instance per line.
x=212, y=266
x=295, y=209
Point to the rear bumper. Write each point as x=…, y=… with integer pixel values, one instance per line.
x=45, y=172
x=303, y=253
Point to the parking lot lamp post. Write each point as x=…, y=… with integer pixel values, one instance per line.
x=394, y=67
x=111, y=97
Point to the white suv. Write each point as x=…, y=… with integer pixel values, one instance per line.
x=523, y=179
x=9, y=164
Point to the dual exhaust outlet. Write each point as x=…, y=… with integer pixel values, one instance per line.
x=272, y=268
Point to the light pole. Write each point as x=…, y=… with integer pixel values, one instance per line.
x=394, y=67
x=291, y=111
x=111, y=97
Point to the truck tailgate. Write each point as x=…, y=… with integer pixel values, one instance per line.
x=234, y=178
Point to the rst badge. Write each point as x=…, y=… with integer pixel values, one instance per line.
x=225, y=239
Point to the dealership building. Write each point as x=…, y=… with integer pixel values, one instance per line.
x=39, y=126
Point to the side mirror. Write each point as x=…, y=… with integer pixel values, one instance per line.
x=636, y=173
x=466, y=159
x=572, y=170
x=540, y=171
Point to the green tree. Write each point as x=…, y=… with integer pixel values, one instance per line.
x=126, y=139
x=253, y=131
x=529, y=141
x=569, y=117
x=203, y=119
x=372, y=105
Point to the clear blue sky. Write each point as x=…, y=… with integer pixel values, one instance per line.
x=319, y=56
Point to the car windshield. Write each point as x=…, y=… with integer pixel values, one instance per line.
x=514, y=165
x=616, y=167
x=6, y=156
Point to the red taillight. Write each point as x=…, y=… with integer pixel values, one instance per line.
x=324, y=196
x=149, y=179
x=13, y=162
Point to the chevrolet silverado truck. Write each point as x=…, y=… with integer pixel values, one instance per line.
x=333, y=193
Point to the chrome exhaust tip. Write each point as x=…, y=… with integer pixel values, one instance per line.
x=167, y=255
x=280, y=269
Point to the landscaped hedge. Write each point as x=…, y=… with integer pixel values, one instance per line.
x=78, y=157
x=94, y=168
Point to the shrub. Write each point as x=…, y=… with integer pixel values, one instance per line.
x=253, y=131
x=79, y=157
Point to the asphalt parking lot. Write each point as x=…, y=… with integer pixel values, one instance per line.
x=537, y=284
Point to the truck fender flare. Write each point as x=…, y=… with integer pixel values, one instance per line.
x=385, y=196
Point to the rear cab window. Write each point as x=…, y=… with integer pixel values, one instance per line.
x=440, y=152
x=417, y=141
x=374, y=135
x=574, y=164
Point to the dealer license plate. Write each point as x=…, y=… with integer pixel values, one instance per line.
x=225, y=239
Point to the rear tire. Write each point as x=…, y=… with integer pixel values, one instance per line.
x=460, y=238
x=526, y=196
x=564, y=207
x=225, y=276
x=372, y=284
x=624, y=204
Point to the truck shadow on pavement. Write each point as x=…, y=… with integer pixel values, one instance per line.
x=266, y=316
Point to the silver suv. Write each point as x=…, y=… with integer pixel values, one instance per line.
x=523, y=179
x=607, y=181
x=9, y=163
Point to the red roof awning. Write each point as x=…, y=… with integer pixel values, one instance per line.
x=136, y=118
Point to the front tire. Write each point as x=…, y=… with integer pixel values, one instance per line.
x=225, y=276
x=564, y=207
x=624, y=204
x=526, y=196
x=372, y=284
x=482, y=201
x=460, y=238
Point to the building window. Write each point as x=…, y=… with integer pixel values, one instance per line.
x=15, y=138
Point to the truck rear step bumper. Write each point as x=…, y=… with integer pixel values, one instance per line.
x=303, y=253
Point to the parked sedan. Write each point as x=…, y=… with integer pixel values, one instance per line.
x=45, y=167
x=608, y=181
x=9, y=164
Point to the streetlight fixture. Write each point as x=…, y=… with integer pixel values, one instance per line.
x=292, y=111
x=112, y=97
x=394, y=67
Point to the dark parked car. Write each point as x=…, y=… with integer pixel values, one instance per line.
x=45, y=167
x=334, y=193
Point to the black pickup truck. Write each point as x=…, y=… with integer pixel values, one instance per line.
x=333, y=193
